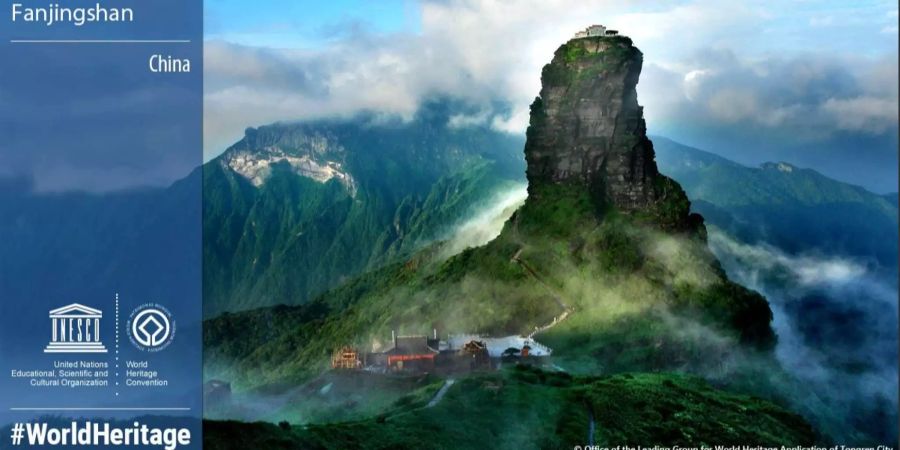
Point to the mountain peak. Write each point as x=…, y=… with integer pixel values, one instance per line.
x=309, y=153
x=779, y=166
x=587, y=128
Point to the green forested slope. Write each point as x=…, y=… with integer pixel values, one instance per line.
x=526, y=408
x=792, y=208
x=291, y=237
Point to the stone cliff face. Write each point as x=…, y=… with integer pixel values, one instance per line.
x=587, y=126
x=312, y=154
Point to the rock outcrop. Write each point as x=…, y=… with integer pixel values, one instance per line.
x=313, y=155
x=586, y=125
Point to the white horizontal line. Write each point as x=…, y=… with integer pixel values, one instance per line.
x=101, y=409
x=100, y=41
x=76, y=344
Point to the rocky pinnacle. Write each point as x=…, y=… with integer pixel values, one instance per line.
x=587, y=127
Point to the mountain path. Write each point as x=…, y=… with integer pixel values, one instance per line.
x=517, y=258
x=440, y=393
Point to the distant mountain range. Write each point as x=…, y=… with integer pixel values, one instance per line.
x=792, y=208
x=293, y=210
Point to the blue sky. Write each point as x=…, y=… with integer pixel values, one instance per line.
x=799, y=25
x=808, y=82
x=286, y=23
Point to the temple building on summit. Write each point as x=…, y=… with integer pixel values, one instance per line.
x=595, y=30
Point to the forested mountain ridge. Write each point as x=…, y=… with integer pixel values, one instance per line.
x=292, y=210
x=793, y=208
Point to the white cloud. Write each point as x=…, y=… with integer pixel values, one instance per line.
x=827, y=310
x=809, y=97
x=869, y=114
x=805, y=270
x=691, y=24
x=705, y=64
x=487, y=223
x=477, y=51
x=734, y=105
x=693, y=81
x=513, y=123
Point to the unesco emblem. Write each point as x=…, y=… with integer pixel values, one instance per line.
x=76, y=329
x=151, y=327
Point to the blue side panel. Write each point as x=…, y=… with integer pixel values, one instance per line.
x=100, y=215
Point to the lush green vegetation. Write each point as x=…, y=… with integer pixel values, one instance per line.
x=525, y=407
x=582, y=61
x=658, y=298
x=333, y=396
x=293, y=238
x=798, y=210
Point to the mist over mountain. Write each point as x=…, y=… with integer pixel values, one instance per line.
x=795, y=209
x=825, y=255
x=295, y=209
x=604, y=263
